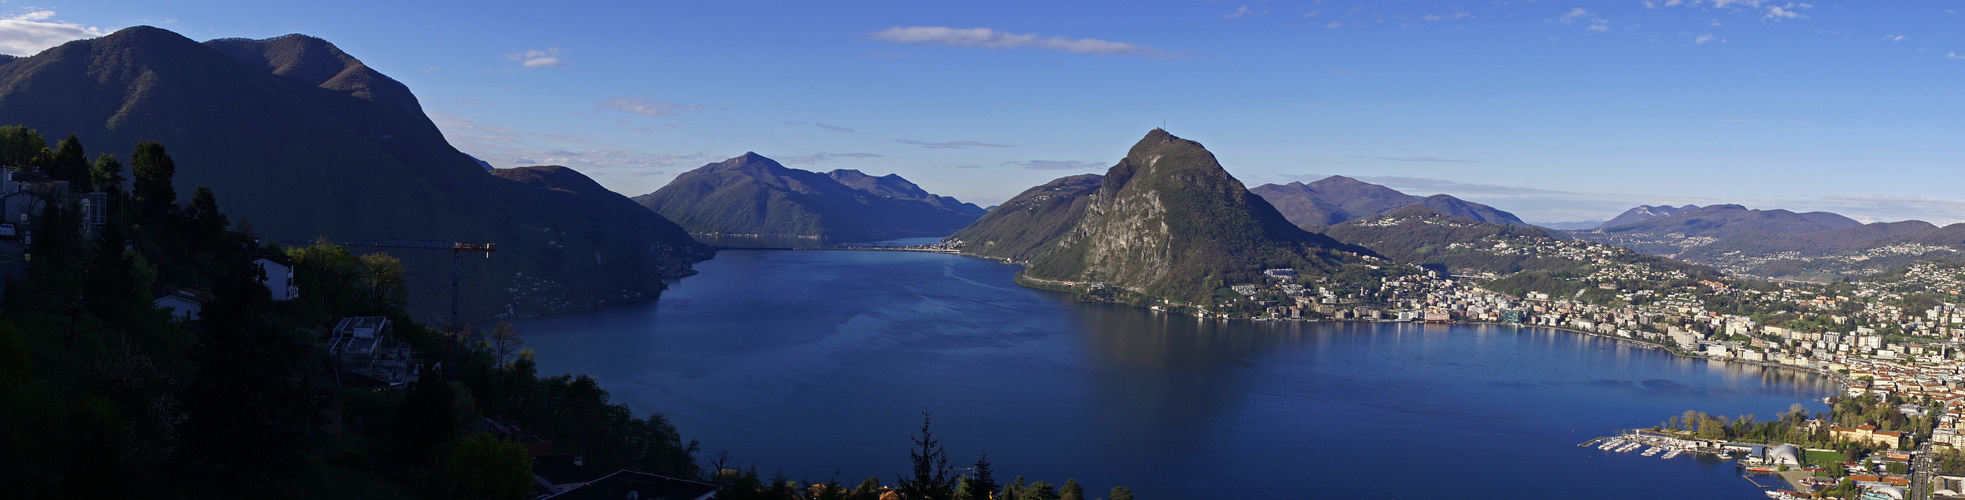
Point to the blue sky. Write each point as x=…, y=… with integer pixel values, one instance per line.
x=1556, y=111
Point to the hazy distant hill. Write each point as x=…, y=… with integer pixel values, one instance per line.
x=1641, y=213
x=1336, y=199
x=753, y=195
x=1835, y=241
x=303, y=140
x=1571, y=225
x=1688, y=228
x=893, y=187
x=1166, y=221
x=1421, y=235
x=1022, y=227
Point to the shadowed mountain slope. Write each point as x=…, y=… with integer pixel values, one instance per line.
x=305, y=141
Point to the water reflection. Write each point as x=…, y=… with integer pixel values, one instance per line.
x=820, y=361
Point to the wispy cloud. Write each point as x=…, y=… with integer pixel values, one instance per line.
x=834, y=128
x=1770, y=11
x=991, y=39
x=1456, y=15
x=642, y=106
x=1702, y=39
x=503, y=146
x=1413, y=159
x=30, y=33
x=1953, y=55
x=820, y=157
x=1244, y=11
x=538, y=58
x=951, y=145
x=1894, y=38
x=454, y=124
x=1056, y=165
x=1576, y=13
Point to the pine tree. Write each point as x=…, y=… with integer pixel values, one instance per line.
x=1071, y=490
x=931, y=480
x=250, y=403
x=983, y=483
x=107, y=173
x=1120, y=493
x=71, y=165
x=154, y=169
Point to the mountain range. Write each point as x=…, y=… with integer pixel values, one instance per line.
x=1166, y=221
x=303, y=140
x=756, y=196
x=1337, y=199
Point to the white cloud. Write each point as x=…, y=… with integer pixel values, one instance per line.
x=1953, y=55
x=1598, y=27
x=1456, y=15
x=1777, y=13
x=1894, y=38
x=1705, y=38
x=951, y=145
x=30, y=33
x=819, y=157
x=1574, y=14
x=1312, y=13
x=1334, y=25
x=991, y=39
x=641, y=106
x=538, y=58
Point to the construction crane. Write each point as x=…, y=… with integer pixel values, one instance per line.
x=457, y=250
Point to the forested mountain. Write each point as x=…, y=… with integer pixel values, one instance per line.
x=302, y=140
x=1167, y=221
x=1337, y=199
x=754, y=195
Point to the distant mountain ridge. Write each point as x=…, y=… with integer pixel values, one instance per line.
x=1166, y=221
x=303, y=140
x=1642, y=213
x=754, y=195
x=1337, y=199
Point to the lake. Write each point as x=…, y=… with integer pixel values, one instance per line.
x=820, y=362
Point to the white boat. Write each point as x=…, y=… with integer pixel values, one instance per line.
x=1671, y=454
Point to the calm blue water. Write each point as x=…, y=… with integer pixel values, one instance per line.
x=816, y=362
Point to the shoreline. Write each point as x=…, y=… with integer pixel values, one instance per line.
x=1842, y=382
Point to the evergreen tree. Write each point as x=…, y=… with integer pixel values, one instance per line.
x=107, y=172
x=931, y=480
x=1071, y=490
x=210, y=222
x=250, y=406
x=983, y=483
x=427, y=417
x=1039, y=491
x=154, y=169
x=1120, y=493
x=70, y=164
